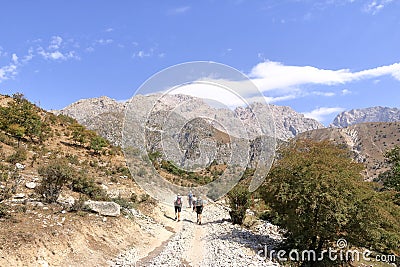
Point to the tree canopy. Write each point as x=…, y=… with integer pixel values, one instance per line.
x=391, y=178
x=316, y=192
x=20, y=118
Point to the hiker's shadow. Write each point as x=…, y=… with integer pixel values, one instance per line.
x=169, y=217
x=254, y=241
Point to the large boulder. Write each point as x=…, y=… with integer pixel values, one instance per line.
x=104, y=208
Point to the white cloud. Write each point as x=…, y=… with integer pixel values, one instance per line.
x=319, y=114
x=89, y=49
x=14, y=58
x=319, y=93
x=376, y=81
x=58, y=49
x=104, y=41
x=147, y=53
x=57, y=55
x=276, y=82
x=143, y=54
x=55, y=42
x=275, y=99
x=178, y=10
x=9, y=71
x=271, y=75
x=109, y=30
x=2, y=53
x=375, y=6
x=346, y=92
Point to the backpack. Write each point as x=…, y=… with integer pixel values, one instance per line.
x=199, y=202
x=178, y=201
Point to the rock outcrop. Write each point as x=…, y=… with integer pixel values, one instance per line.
x=104, y=208
x=372, y=114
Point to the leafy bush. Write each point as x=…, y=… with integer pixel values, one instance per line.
x=316, y=193
x=97, y=143
x=134, y=198
x=391, y=178
x=22, y=119
x=239, y=201
x=54, y=176
x=124, y=202
x=4, y=211
x=9, y=183
x=82, y=184
x=19, y=155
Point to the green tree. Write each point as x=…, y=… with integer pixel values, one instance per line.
x=97, y=143
x=78, y=132
x=239, y=202
x=54, y=176
x=391, y=178
x=317, y=194
x=20, y=118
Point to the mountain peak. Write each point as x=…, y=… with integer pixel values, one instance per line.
x=371, y=114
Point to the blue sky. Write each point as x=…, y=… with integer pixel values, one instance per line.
x=319, y=57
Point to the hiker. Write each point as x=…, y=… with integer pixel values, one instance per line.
x=178, y=207
x=190, y=199
x=199, y=208
x=194, y=202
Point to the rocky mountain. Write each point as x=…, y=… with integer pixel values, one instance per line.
x=367, y=141
x=372, y=114
x=105, y=115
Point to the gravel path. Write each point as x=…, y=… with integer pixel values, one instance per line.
x=215, y=243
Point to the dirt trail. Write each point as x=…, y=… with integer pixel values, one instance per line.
x=215, y=243
x=197, y=249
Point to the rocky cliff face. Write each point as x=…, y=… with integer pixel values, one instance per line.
x=372, y=114
x=105, y=115
x=367, y=141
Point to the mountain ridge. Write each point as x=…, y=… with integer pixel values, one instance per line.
x=95, y=113
x=362, y=115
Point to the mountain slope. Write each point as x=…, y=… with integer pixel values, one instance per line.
x=105, y=115
x=372, y=114
x=34, y=232
x=367, y=141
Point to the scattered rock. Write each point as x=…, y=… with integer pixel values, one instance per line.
x=19, y=166
x=67, y=201
x=104, y=208
x=36, y=204
x=31, y=185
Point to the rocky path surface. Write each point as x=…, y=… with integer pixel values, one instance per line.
x=215, y=243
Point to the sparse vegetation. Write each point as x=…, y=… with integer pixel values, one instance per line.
x=82, y=184
x=22, y=119
x=239, y=202
x=54, y=176
x=18, y=156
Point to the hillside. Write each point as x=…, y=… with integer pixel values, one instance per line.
x=371, y=114
x=34, y=232
x=368, y=142
x=71, y=232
